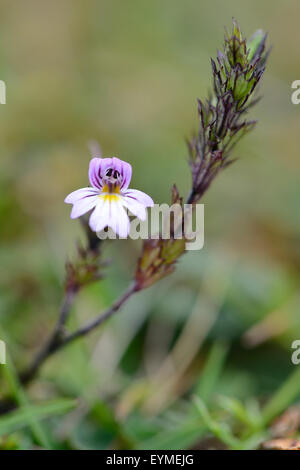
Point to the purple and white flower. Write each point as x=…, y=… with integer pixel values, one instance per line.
x=109, y=196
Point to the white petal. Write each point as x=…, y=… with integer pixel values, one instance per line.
x=80, y=193
x=139, y=196
x=99, y=217
x=82, y=206
x=118, y=219
x=135, y=207
x=110, y=213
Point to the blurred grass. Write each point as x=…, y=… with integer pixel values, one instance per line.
x=128, y=74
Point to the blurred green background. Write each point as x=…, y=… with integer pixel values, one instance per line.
x=127, y=74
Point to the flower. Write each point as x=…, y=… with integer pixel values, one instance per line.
x=109, y=196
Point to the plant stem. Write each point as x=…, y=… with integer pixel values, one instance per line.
x=58, y=340
x=83, y=331
x=51, y=346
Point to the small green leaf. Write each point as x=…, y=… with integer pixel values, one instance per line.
x=19, y=418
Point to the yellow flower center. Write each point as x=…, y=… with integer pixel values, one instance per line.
x=110, y=193
x=110, y=197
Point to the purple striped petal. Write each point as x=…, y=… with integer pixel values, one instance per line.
x=95, y=172
x=139, y=196
x=99, y=166
x=125, y=171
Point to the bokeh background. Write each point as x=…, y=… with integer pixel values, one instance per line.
x=127, y=74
